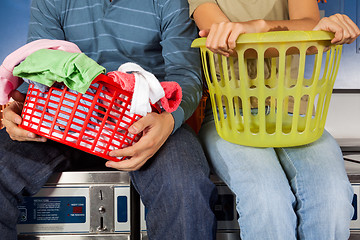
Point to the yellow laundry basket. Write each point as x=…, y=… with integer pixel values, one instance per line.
x=276, y=92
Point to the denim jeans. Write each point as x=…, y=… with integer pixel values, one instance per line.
x=284, y=193
x=173, y=185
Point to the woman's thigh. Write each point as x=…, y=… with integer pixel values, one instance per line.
x=263, y=194
x=319, y=181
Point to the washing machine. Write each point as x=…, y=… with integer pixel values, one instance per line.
x=79, y=206
x=352, y=165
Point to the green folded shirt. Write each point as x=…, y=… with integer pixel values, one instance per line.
x=46, y=66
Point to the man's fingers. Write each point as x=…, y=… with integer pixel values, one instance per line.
x=19, y=134
x=127, y=165
x=17, y=96
x=124, y=152
x=133, y=162
x=11, y=115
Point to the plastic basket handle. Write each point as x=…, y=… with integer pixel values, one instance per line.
x=273, y=37
x=108, y=80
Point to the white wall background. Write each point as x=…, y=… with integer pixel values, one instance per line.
x=343, y=119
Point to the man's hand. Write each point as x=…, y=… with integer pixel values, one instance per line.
x=346, y=31
x=155, y=128
x=12, y=119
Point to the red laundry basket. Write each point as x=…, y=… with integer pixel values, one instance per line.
x=95, y=122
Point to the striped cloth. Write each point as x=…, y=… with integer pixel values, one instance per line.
x=156, y=34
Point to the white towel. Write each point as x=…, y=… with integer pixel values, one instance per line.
x=147, y=88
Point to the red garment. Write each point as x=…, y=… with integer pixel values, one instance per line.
x=173, y=92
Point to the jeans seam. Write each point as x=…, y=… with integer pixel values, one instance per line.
x=298, y=197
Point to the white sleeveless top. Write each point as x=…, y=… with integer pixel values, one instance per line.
x=246, y=10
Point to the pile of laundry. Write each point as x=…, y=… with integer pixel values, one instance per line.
x=50, y=65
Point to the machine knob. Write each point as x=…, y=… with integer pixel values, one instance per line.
x=101, y=209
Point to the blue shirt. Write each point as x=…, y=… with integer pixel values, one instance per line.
x=156, y=34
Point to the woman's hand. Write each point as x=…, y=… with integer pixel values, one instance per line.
x=12, y=119
x=155, y=128
x=346, y=31
x=221, y=37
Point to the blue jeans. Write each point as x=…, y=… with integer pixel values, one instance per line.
x=284, y=193
x=173, y=185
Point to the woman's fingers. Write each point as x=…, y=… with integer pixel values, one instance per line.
x=344, y=29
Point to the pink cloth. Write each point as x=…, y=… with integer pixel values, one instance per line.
x=173, y=96
x=8, y=82
x=125, y=80
x=173, y=92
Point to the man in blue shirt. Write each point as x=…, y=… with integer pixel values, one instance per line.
x=167, y=166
